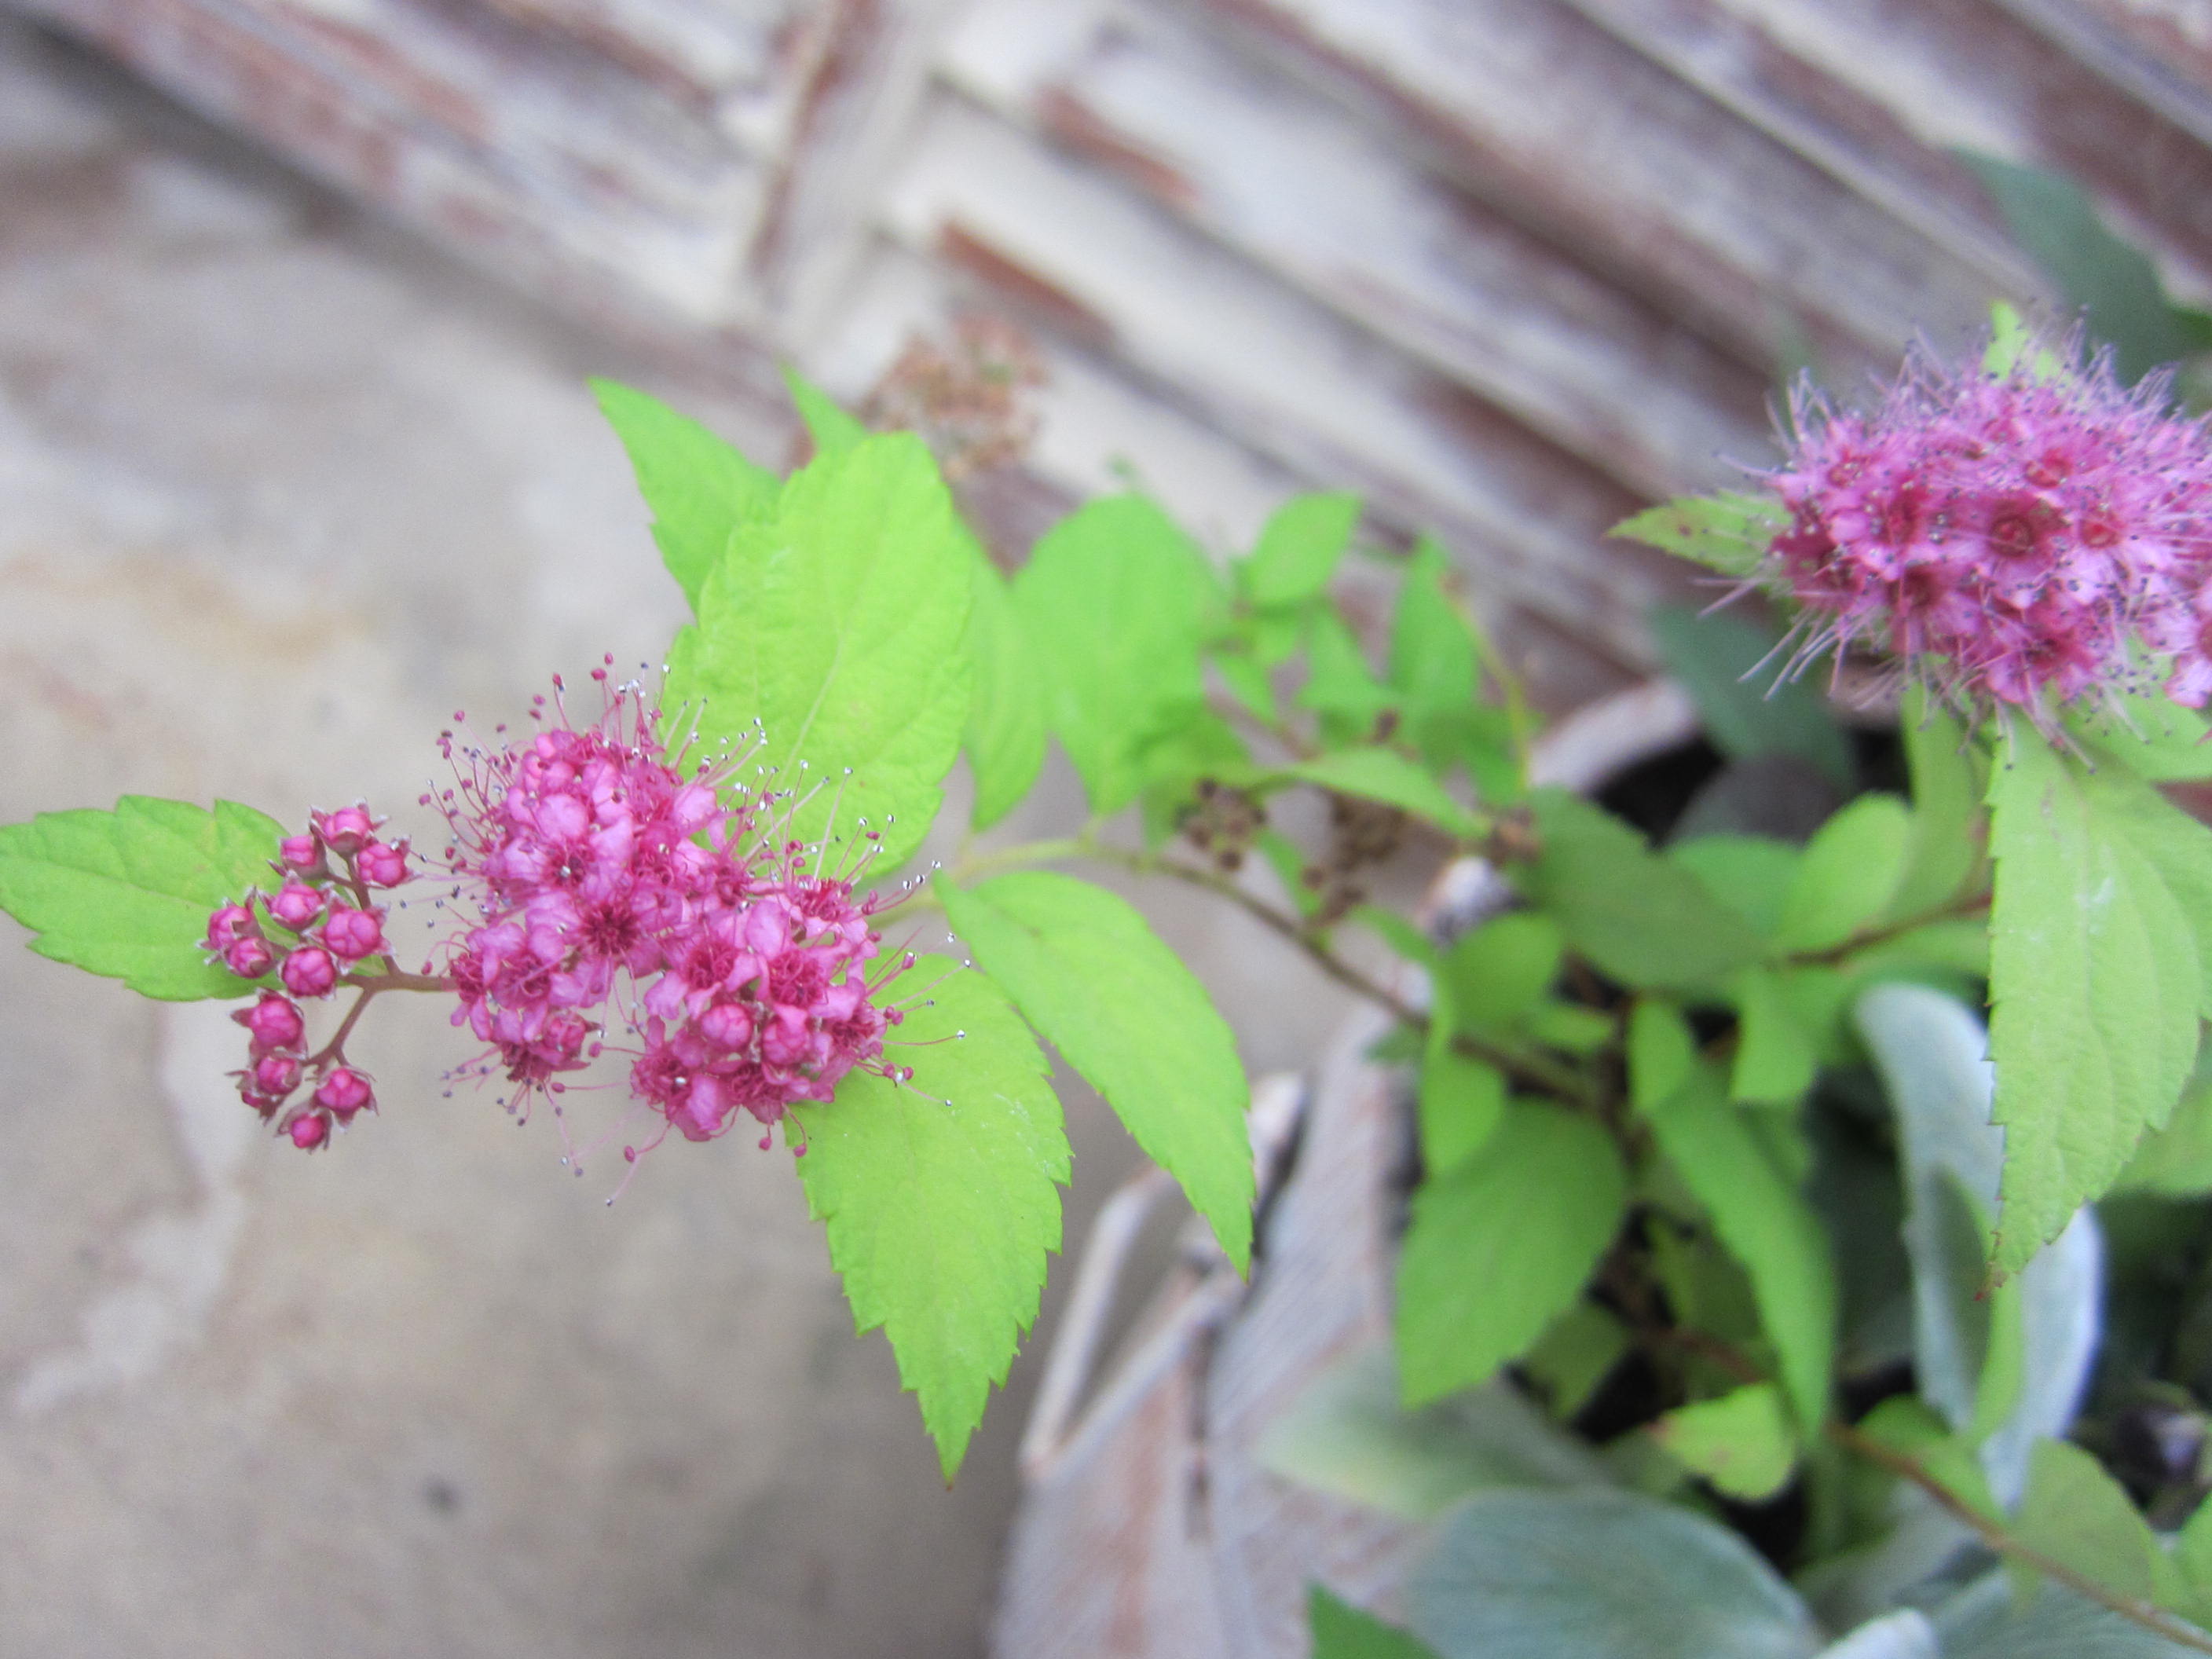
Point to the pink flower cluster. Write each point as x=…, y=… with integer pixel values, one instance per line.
x=605, y=878
x=326, y=925
x=2016, y=538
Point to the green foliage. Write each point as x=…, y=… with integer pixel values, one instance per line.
x=1732, y=668
x=1944, y=847
x=1340, y=688
x=2052, y=219
x=1848, y=875
x=1662, y=1053
x=1767, y=1225
x=1577, y=1351
x=1647, y=921
x=1776, y=1054
x=1752, y=875
x=2151, y=736
x=1347, y=1434
x=2094, y=976
x=1090, y=974
x=1389, y=779
x=1005, y=733
x=1740, y=1442
x=837, y=625
x=1499, y=1246
x=1342, y=1631
x=2177, y=1159
x=700, y=489
x=1461, y=1103
x=2076, y=1513
x=1299, y=549
x=1725, y=531
x=1594, y=1574
x=1116, y=601
x=1498, y=972
x=831, y=429
x=127, y=894
x=938, y=1195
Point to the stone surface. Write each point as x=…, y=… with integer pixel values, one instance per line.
x=282, y=491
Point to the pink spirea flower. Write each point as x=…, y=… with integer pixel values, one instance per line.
x=609, y=876
x=2018, y=538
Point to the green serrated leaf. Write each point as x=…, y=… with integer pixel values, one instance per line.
x=1339, y=687
x=938, y=1194
x=1435, y=663
x=1727, y=531
x=2177, y=1159
x=838, y=624
x=1342, y=1631
x=1750, y=874
x=1644, y=921
x=1389, y=778
x=833, y=430
x=2152, y=737
x=1732, y=670
x=1501, y=970
x=2076, y=1513
x=1299, y=549
x=1848, y=875
x=2094, y=979
x=127, y=894
x=1767, y=1226
x=1499, y=1246
x=1775, y=1057
x=1006, y=735
x=1118, y=601
x=1741, y=1443
x=1248, y=682
x=699, y=489
x=1090, y=974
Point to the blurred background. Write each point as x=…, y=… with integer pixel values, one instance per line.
x=297, y=298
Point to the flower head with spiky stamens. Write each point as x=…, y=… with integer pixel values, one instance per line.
x=2018, y=538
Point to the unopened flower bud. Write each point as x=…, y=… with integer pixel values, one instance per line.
x=382, y=864
x=295, y=904
x=309, y=1131
x=309, y=972
x=345, y=831
x=345, y=1093
x=249, y=957
x=230, y=923
x=275, y=1022
x=303, y=854
x=352, y=934
x=276, y=1075
x=727, y=1025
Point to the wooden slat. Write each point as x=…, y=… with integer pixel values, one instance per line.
x=1289, y=180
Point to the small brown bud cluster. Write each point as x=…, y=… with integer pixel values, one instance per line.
x=966, y=402
x=1361, y=834
x=1222, y=824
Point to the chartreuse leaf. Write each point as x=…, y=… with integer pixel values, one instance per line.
x=1348, y=1433
x=1740, y=1443
x=832, y=429
x=838, y=624
x=1342, y=1631
x=1662, y=1052
x=1732, y=670
x=127, y=894
x=1498, y=972
x=1117, y=602
x=2155, y=737
x=2192, y=1554
x=1904, y=1424
x=1848, y=875
x=1943, y=848
x=2094, y=977
x=1766, y=1224
x=1433, y=659
x=2075, y=1513
x=699, y=489
x=1499, y=1246
x=1461, y=1100
x=1339, y=686
x=1750, y=874
x=1299, y=547
x=1087, y=971
x=1644, y=920
x=1728, y=531
x=938, y=1194
x=2177, y=1160
x=1577, y=1351
x=1776, y=1055
x=1006, y=734
x=1587, y=1573
x=1389, y=778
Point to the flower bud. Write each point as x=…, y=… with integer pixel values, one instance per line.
x=351, y=934
x=249, y=957
x=274, y=1022
x=382, y=864
x=275, y=1075
x=309, y=1131
x=303, y=854
x=727, y=1025
x=345, y=831
x=295, y=904
x=309, y=972
x=345, y=1093
x=230, y=923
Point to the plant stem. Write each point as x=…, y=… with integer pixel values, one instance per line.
x=1958, y=910
x=1994, y=1534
